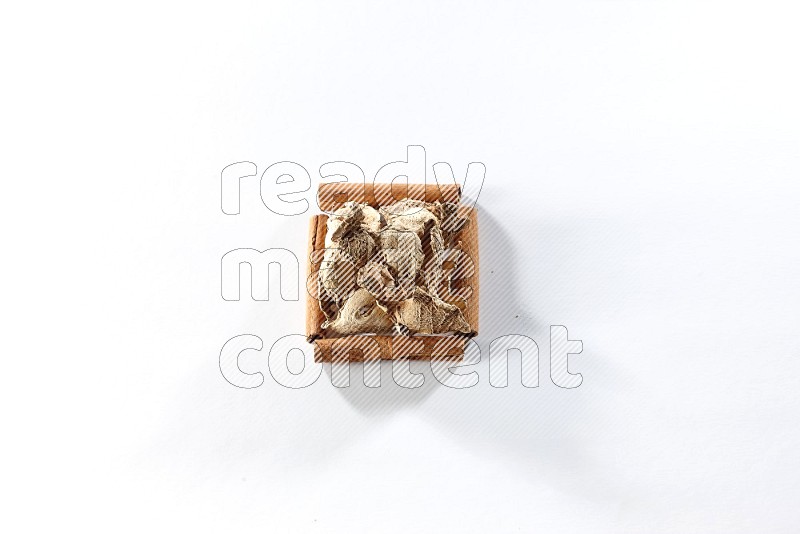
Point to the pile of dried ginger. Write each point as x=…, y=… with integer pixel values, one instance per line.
x=382, y=270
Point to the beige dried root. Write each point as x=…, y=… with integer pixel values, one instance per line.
x=409, y=215
x=349, y=219
x=360, y=246
x=337, y=274
x=433, y=267
x=376, y=278
x=401, y=251
x=349, y=243
x=427, y=314
x=361, y=313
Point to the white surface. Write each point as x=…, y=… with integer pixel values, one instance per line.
x=641, y=189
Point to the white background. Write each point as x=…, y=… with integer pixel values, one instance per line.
x=641, y=189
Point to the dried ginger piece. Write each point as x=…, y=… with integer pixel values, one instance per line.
x=376, y=278
x=433, y=267
x=425, y=220
x=409, y=215
x=337, y=275
x=349, y=243
x=360, y=246
x=402, y=253
x=360, y=314
x=352, y=219
x=427, y=314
